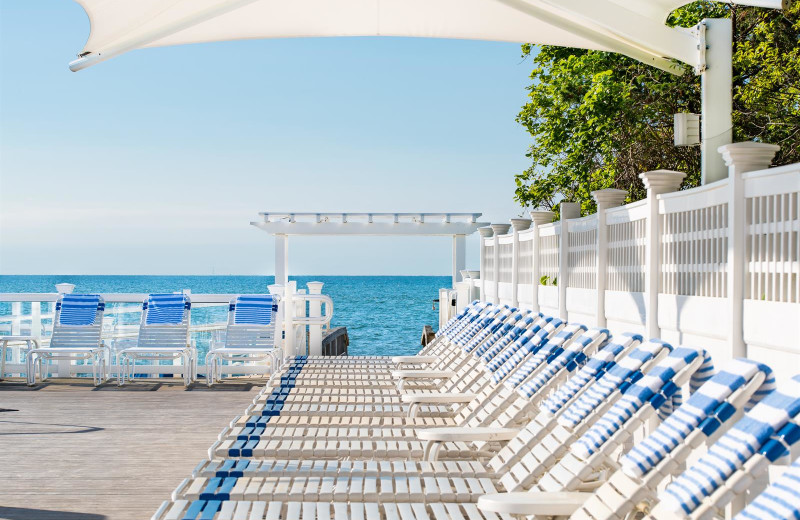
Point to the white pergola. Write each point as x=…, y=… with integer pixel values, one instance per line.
x=284, y=225
x=635, y=28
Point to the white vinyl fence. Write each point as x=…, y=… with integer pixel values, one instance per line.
x=716, y=266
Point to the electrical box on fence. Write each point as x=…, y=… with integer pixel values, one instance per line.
x=687, y=129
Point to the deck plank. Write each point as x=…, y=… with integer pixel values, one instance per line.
x=69, y=451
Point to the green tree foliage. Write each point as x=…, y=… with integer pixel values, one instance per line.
x=599, y=119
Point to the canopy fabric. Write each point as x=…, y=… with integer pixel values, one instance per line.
x=632, y=27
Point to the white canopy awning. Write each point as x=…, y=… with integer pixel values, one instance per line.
x=632, y=27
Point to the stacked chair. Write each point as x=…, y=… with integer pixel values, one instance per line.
x=510, y=413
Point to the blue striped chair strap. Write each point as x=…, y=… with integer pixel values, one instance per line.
x=165, y=309
x=254, y=309
x=587, y=373
x=78, y=309
x=612, y=377
x=560, y=361
x=705, y=409
x=760, y=429
x=658, y=382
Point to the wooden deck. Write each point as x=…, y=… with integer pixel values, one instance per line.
x=70, y=451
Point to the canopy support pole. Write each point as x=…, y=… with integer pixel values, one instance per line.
x=716, y=96
x=282, y=259
x=459, y=257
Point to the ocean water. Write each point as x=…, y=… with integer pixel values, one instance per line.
x=384, y=315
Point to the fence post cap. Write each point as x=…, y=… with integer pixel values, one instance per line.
x=609, y=197
x=486, y=231
x=662, y=181
x=521, y=224
x=500, y=229
x=541, y=217
x=748, y=155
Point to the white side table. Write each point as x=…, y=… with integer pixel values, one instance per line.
x=31, y=341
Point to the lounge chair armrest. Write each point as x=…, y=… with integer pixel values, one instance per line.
x=467, y=434
x=436, y=398
x=422, y=374
x=417, y=360
x=533, y=503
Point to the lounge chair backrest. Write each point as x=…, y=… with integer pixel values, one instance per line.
x=718, y=402
x=706, y=408
x=767, y=429
x=652, y=389
x=781, y=500
x=251, y=321
x=480, y=325
x=165, y=321
x=78, y=321
x=614, y=376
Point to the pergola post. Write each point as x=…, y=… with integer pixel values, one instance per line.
x=459, y=257
x=281, y=259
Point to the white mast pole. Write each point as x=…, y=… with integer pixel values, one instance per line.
x=716, y=96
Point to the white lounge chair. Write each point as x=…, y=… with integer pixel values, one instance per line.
x=77, y=329
x=249, y=336
x=636, y=405
x=163, y=336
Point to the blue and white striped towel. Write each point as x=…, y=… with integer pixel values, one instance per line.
x=552, y=348
x=573, y=353
x=615, y=377
x=635, y=397
x=593, y=369
x=165, y=309
x=780, y=501
x=253, y=309
x=703, y=404
x=733, y=449
x=78, y=309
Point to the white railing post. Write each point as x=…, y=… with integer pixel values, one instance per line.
x=314, y=311
x=518, y=224
x=498, y=229
x=568, y=210
x=16, y=314
x=484, y=232
x=740, y=158
x=539, y=218
x=605, y=199
x=656, y=183
x=281, y=291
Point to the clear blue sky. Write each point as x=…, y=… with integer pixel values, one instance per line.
x=155, y=162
